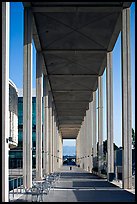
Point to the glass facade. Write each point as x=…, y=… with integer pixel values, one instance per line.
x=16, y=154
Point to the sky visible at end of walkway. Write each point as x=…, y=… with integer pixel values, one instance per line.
x=16, y=68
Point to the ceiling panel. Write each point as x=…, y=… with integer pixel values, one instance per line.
x=74, y=38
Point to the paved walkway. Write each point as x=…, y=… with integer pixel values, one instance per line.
x=77, y=185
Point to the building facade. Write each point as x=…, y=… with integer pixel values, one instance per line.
x=16, y=154
x=13, y=115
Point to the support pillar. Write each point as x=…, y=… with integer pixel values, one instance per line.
x=53, y=134
x=5, y=100
x=85, y=142
x=46, y=126
x=27, y=100
x=50, y=132
x=87, y=139
x=100, y=125
x=90, y=143
x=79, y=159
x=126, y=102
x=55, y=145
x=83, y=145
x=77, y=149
x=38, y=116
x=94, y=131
x=55, y=142
x=59, y=149
x=109, y=101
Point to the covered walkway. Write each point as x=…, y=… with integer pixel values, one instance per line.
x=74, y=42
x=78, y=185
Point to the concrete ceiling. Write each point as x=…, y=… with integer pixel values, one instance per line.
x=74, y=38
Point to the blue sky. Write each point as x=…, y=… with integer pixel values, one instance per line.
x=16, y=68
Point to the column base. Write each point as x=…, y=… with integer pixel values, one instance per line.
x=111, y=176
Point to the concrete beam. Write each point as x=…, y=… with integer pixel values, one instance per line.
x=63, y=101
x=71, y=128
x=78, y=8
x=74, y=75
x=74, y=51
x=27, y=100
x=5, y=100
x=73, y=91
x=70, y=125
x=115, y=34
x=70, y=117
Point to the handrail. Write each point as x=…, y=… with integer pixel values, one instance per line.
x=16, y=185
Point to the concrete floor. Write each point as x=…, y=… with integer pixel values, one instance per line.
x=77, y=185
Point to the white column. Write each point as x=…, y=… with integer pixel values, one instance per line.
x=60, y=150
x=77, y=148
x=55, y=145
x=109, y=102
x=55, y=142
x=27, y=100
x=85, y=142
x=81, y=145
x=61, y=147
x=46, y=126
x=100, y=124
x=94, y=130
x=50, y=132
x=38, y=116
x=126, y=102
x=53, y=132
x=79, y=160
x=90, y=143
x=5, y=100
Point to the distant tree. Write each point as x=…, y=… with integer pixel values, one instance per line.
x=115, y=147
x=133, y=138
x=105, y=147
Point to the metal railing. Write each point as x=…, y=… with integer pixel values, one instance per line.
x=15, y=187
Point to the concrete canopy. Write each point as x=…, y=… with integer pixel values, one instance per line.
x=74, y=38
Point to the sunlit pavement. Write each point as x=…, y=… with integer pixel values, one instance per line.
x=77, y=185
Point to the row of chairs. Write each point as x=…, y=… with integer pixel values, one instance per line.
x=52, y=178
x=42, y=187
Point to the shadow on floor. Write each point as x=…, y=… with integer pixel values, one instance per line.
x=104, y=196
x=93, y=184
